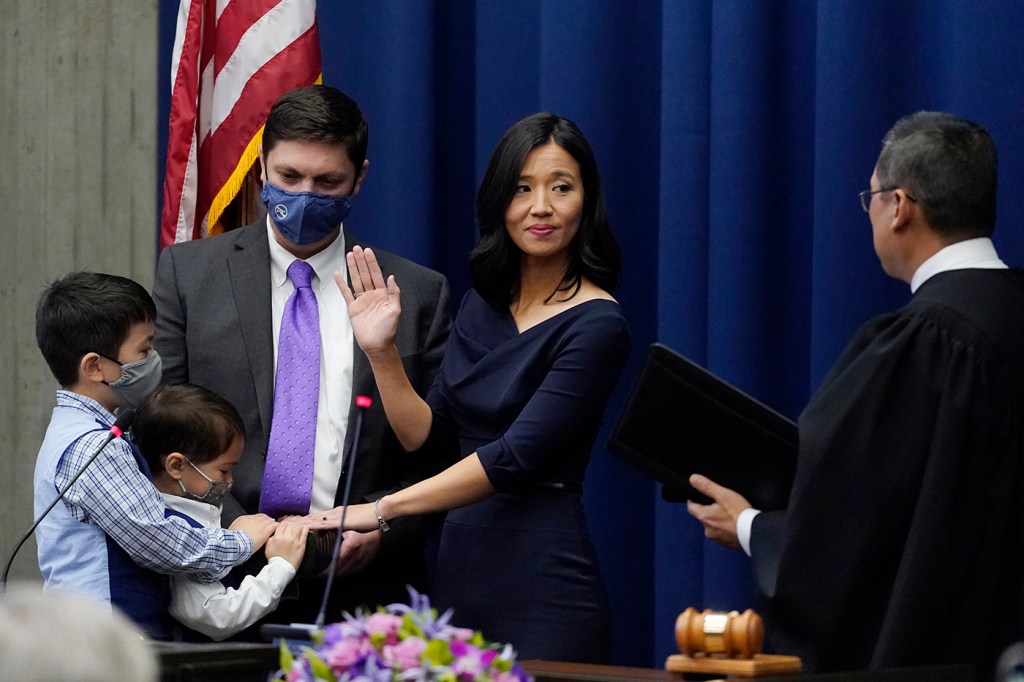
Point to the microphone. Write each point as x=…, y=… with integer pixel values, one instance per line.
x=305, y=630
x=121, y=424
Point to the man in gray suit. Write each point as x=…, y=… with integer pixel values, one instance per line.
x=220, y=303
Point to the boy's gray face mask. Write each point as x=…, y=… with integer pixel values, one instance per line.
x=138, y=380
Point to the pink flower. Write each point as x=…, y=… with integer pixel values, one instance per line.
x=386, y=624
x=345, y=652
x=296, y=674
x=368, y=647
x=462, y=634
x=467, y=663
x=406, y=653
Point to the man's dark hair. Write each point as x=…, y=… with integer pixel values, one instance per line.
x=948, y=165
x=318, y=113
x=88, y=312
x=188, y=419
x=594, y=253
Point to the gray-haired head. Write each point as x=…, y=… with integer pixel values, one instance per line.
x=948, y=166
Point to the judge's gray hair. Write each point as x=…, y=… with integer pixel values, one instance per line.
x=60, y=637
x=948, y=165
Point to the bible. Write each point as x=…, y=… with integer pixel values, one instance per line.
x=681, y=419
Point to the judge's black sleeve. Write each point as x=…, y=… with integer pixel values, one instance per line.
x=903, y=541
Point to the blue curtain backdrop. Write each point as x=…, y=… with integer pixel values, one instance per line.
x=733, y=136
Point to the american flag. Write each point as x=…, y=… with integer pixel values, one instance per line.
x=232, y=59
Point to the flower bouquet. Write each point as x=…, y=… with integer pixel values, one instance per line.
x=399, y=643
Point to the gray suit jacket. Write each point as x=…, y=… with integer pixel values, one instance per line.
x=214, y=329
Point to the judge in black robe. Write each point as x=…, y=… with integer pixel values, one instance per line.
x=903, y=543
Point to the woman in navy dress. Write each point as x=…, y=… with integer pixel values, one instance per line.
x=535, y=352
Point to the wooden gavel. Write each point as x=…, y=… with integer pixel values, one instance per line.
x=733, y=634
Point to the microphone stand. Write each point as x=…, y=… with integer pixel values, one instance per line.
x=304, y=630
x=362, y=402
x=123, y=422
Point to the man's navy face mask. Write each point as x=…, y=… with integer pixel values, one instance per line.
x=304, y=217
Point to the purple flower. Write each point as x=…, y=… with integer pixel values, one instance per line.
x=460, y=649
x=336, y=632
x=373, y=670
x=410, y=643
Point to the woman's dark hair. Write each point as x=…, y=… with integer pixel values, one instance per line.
x=188, y=419
x=594, y=253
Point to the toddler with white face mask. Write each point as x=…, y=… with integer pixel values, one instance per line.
x=191, y=439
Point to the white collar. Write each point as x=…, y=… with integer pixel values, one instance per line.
x=324, y=263
x=979, y=254
x=203, y=512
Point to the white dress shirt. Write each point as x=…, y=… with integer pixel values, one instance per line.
x=970, y=254
x=211, y=608
x=336, y=358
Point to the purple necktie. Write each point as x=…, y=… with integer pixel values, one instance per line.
x=288, y=476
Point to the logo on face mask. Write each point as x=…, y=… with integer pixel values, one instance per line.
x=305, y=217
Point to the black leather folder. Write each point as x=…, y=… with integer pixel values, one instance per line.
x=681, y=419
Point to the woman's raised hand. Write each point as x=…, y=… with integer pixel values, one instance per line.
x=374, y=305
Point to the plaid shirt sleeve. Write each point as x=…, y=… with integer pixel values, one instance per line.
x=114, y=495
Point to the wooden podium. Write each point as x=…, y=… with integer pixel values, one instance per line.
x=552, y=671
x=223, y=662
x=241, y=662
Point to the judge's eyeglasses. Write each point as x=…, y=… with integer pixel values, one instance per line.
x=865, y=196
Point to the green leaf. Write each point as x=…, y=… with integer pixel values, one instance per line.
x=409, y=628
x=438, y=652
x=285, y=658
x=318, y=665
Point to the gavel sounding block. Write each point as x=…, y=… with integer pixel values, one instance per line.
x=725, y=643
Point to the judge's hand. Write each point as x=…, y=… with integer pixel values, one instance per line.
x=374, y=305
x=718, y=519
x=357, y=550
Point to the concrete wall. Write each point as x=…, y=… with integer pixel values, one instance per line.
x=78, y=178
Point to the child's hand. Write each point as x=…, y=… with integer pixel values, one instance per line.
x=259, y=527
x=289, y=543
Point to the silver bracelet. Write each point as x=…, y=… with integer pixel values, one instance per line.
x=384, y=527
